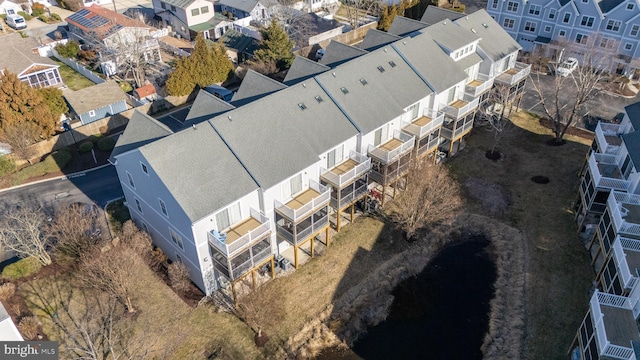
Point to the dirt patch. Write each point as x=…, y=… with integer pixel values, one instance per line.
x=493, y=197
x=572, y=130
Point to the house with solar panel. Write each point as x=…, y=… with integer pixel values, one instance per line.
x=20, y=56
x=114, y=36
x=187, y=18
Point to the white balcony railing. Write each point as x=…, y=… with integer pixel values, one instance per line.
x=604, y=346
x=323, y=197
x=515, y=74
x=602, y=181
x=460, y=107
x=619, y=246
x=419, y=131
x=389, y=156
x=616, y=204
x=259, y=232
x=478, y=86
x=605, y=134
x=363, y=166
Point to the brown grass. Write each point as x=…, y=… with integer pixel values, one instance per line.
x=28, y=327
x=7, y=290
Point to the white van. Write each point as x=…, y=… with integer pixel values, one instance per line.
x=219, y=92
x=16, y=21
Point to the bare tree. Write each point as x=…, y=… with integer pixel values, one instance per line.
x=357, y=9
x=76, y=230
x=564, y=100
x=261, y=309
x=431, y=197
x=496, y=111
x=296, y=23
x=133, y=50
x=179, y=277
x=25, y=230
x=20, y=136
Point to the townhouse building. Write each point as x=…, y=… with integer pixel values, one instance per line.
x=560, y=28
x=267, y=175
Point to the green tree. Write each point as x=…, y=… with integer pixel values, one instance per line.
x=53, y=98
x=181, y=81
x=68, y=50
x=275, y=46
x=221, y=62
x=389, y=13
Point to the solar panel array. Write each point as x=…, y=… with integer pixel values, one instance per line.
x=93, y=22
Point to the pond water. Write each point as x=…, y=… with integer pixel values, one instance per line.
x=442, y=313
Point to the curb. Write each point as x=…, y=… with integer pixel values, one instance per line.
x=69, y=176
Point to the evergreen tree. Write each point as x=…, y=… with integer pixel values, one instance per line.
x=389, y=13
x=275, y=46
x=53, y=98
x=181, y=81
x=203, y=65
x=222, y=63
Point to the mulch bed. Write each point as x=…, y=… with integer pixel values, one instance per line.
x=572, y=130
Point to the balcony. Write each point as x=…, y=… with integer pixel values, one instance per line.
x=608, y=138
x=241, y=235
x=348, y=171
x=515, y=74
x=392, y=149
x=460, y=107
x=455, y=129
x=625, y=211
x=606, y=174
x=305, y=203
x=614, y=325
x=627, y=254
x=478, y=86
x=425, y=124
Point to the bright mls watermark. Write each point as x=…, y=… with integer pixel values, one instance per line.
x=41, y=350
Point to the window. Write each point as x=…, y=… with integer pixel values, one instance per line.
x=296, y=184
x=634, y=30
x=530, y=26
x=130, y=178
x=163, y=207
x=567, y=18
x=173, y=8
x=144, y=168
x=552, y=14
x=628, y=46
x=138, y=206
x=177, y=240
x=451, y=96
x=195, y=12
x=508, y=23
x=380, y=135
x=204, y=10
x=334, y=156
x=587, y=21
x=562, y=33
x=92, y=113
x=413, y=110
x=534, y=10
x=494, y=4
x=512, y=6
x=163, y=5
x=630, y=6
x=228, y=217
x=547, y=28
x=607, y=43
x=613, y=25
x=582, y=39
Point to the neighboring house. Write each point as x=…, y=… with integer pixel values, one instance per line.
x=212, y=29
x=181, y=15
x=20, y=56
x=8, y=330
x=97, y=2
x=548, y=27
x=113, y=35
x=608, y=209
x=240, y=47
x=147, y=92
x=10, y=7
x=313, y=29
x=246, y=186
x=96, y=102
x=241, y=9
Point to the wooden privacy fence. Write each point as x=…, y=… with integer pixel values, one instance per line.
x=351, y=37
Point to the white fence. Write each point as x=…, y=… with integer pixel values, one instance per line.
x=79, y=68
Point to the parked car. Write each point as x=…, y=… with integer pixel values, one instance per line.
x=319, y=54
x=16, y=21
x=567, y=67
x=219, y=92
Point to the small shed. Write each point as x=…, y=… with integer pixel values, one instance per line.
x=96, y=102
x=147, y=92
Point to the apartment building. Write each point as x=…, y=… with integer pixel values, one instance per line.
x=558, y=29
x=267, y=175
x=609, y=206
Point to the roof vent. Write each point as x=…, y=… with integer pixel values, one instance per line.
x=385, y=49
x=304, y=85
x=404, y=43
x=302, y=106
x=392, y=63
x=466, y=18
x=444, y=22
x=381, y=69
x=344, y=90
x=319, y=99
x=363, y=82
x=193, y=126
x=485, y=25
x=334, y=74
x=229, y=117
x=473, y=31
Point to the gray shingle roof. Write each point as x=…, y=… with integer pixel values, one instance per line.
x=17, y=53
x=206, y=106
x=141, y=129
x=402, y=26
x=450, y=36
x=201, y=172
x=275, y=138
x=384, y=96
x=375, y=39
x=495, y=42
x=244, y=5
x=633, y=111
x=255, y=86
x=94, y=97
x=181, y=4
x=632, y=143
x=302, y=69
x=469, y=61
x=434, y=14
x=337, y=53
x=438, y=69
x=608, y=5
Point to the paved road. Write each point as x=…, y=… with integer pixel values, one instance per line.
x=97, y=186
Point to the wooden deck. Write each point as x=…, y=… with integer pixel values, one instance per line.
x=458, y=104
x=422, y=121
x=391, y=144
x=344, y=167
x=511, y=71
x=302, y=199
x=620, y=326
x=241, y=229
x=475, y=83
x=613, y=140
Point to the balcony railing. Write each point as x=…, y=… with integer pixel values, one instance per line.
x=391, y=150
x=425, y=124
x=348, y=197
x=460, y=107
x=602, y=165
x=619, y=246
x=452, y=134
x=619, y=204
x=299, y=213
x=252, y=262
x=302, y=234
x=515, y=74
x=608, y=137
x=429, y=146
x=604, y=345
x=230, y=248
x=478, y=86
x=339, y=179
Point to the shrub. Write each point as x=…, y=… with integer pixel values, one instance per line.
x=25, y=15
x=56, y=17
x=68, y=50
x=106, y=144
x=21, y=268
x=7, y=290
x=85, y=147
x=37, y=10
x=179, y=277
x=125, y=86
x=28, y=327
x=7, y=166
x=43, y=18
x=95, y=138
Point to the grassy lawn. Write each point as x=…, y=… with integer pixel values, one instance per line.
x=73, y=79
x=557, y=265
